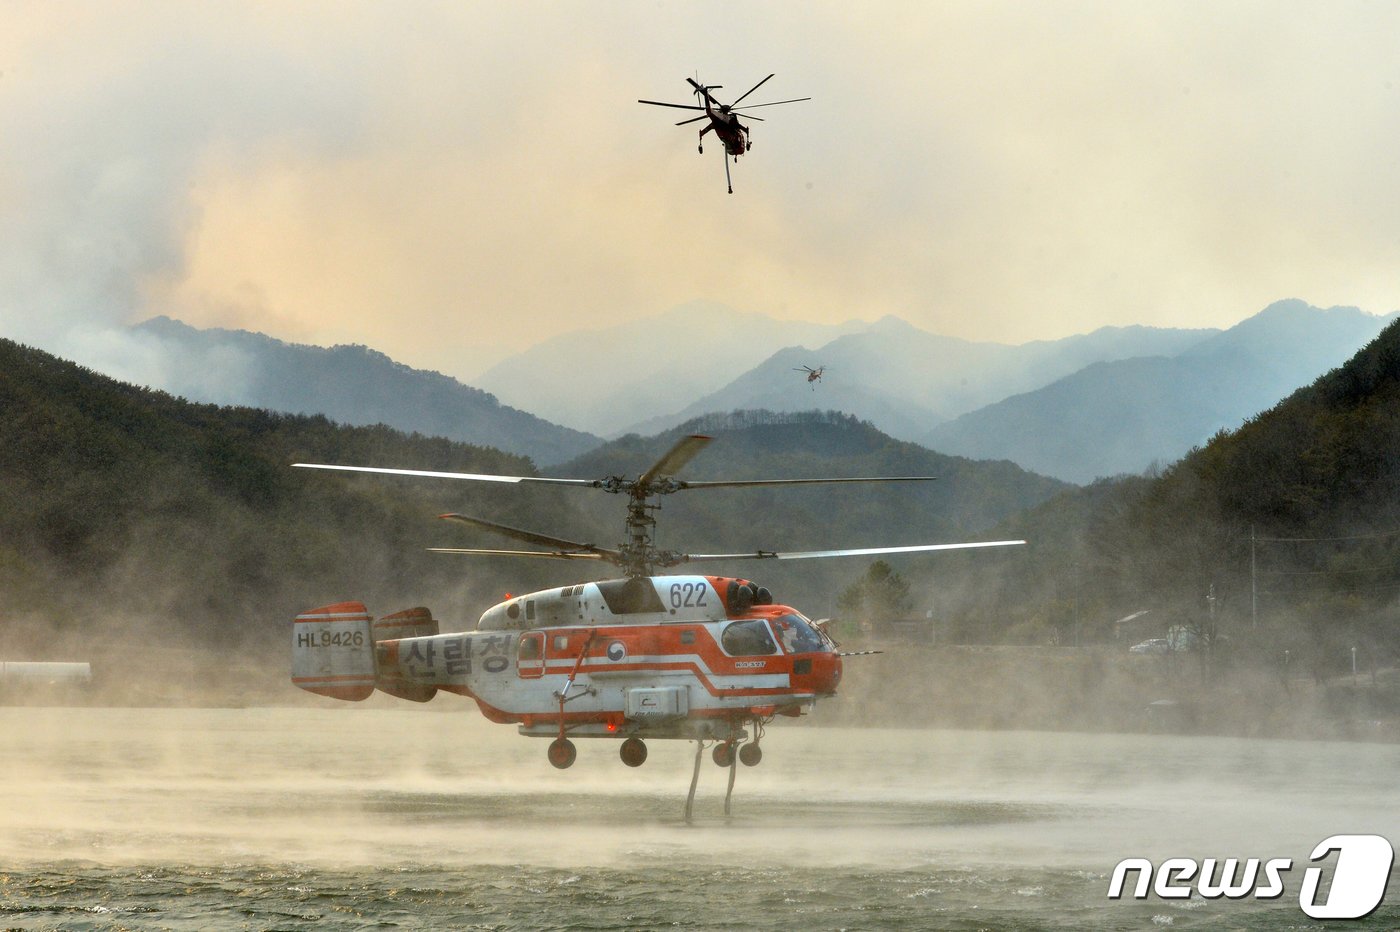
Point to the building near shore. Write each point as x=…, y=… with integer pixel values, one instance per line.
x=23, y=681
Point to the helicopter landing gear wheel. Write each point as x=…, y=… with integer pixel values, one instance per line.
x=562, y=753
x=633, y=752
x=723, y=754
x=750, y=754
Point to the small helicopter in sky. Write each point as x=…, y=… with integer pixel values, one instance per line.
x=813, y=375
x=724, y=119
x=694, y=657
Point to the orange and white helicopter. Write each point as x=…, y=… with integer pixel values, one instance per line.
x=694, y=657
x=724, y=119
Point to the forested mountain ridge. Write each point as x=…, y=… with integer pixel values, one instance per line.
x=125, y=511
x=1282, y=535
x=125, y=507
x=963, y=502
x=350, y=384
x=133, y=518
x=120, y=503
x=967, y=496
x=1331, y=449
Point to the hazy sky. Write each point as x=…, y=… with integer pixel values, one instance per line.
x=447, y=180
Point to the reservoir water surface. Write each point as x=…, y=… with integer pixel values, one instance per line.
x=425, y=818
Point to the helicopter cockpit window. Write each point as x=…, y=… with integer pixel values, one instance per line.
x=630, y=596
x=748, y=639
x=798, y=635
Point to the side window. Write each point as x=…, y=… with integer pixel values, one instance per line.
x=529, y=609
x=531, y=647
x=748, y=639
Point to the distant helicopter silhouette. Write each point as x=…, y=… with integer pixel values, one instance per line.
x=813, y=375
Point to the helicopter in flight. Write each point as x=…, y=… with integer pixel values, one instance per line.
x=724, y=119
x=813, y=375
x=645, y=656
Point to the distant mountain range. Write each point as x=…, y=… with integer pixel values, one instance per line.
x=1108, y=402
x=353, y=385
x=607, y=380
x=1121, y=416
x=1112, y=401
x=905, y=380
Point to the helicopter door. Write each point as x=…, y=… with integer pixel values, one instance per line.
x=529, y=659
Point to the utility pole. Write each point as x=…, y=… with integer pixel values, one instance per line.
x=1253, y=583
x=1076, y=603
x=1207, y=642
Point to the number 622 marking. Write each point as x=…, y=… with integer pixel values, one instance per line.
x=688, y=595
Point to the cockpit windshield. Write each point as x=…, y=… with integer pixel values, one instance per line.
x=799, y=636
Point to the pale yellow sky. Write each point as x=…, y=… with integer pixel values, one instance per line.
x=446, y=181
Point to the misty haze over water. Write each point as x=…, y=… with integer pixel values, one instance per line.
x=348, y=818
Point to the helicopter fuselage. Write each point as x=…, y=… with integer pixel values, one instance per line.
x=689, y=657
x=694, y=657
x=729, y=130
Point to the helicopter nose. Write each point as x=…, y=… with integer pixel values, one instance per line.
x=833, y=677
x=825, y=674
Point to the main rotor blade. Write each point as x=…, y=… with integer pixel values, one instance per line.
x=658, y=103
x=673, y=459
x=479, y=477
x=749, y=91
x=531, y=537
x=703, y=116
x=819, y=554
x=774, y=103
x=732, y=483
x=557, y=555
